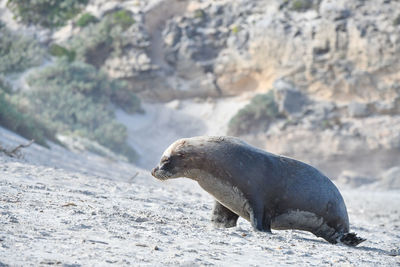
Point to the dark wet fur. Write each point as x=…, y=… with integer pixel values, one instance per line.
x=272, y=185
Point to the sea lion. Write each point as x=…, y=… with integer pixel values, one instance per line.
x=270, y=191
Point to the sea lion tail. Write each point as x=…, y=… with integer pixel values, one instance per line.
x=351, y=239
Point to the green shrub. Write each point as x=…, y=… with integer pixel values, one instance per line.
x=255, y=116
x=5, y=87
x=235, y=29
x=85, y=79
x=12, y=118
x=74, y=98
x=301, y=5
x=60, y=51
x=86, y=19
x=18, y=52
x=46, y=13
x=199, y=13
x=94, y=44
x=123, y=98
x=97, y=42
x=123, y=18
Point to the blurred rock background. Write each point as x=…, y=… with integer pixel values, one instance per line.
x=317, y=80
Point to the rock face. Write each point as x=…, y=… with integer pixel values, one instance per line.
x=290, y=100
x=333, y=50
x=337, y=50
x=333, y=142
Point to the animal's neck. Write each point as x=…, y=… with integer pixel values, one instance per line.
x=223, y=191
x=196, y=174
x=204, y=178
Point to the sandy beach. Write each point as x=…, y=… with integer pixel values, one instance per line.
x=123, y=216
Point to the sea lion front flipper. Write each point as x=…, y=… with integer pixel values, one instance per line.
x=260, y=220
x=223, y=217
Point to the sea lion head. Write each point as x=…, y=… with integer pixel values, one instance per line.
x=174, y=162
x=185, y=157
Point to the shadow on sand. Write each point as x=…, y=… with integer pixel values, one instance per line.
x=371, y=249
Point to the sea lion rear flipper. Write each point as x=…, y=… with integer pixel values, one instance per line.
x=351, y=239
x=223, y=217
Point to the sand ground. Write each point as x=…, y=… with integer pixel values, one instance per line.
x=52, y=216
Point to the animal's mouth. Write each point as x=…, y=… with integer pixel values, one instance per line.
x=160, y=174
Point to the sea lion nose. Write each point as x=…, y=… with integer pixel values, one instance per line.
x=153, y=172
